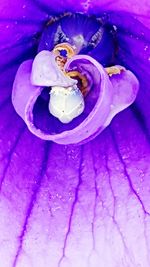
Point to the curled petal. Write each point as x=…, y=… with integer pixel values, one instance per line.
x=122, y=93
x=112, y=95
x=24, y=94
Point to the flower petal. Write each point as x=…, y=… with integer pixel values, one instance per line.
x=140, y=9
x=45, y=71
x=125, y=88
x=100, y=198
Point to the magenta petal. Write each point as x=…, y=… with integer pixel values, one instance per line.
x=45, y=71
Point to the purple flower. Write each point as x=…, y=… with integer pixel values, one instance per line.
x=67, y=205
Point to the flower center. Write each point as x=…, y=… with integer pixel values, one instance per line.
x=72, y=79
x=67, y=36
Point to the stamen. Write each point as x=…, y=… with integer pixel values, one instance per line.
x=114, y=70
x=60, y=60
x=81, y=78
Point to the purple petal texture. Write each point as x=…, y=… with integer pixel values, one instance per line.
x=137, y=8
x=85, y=206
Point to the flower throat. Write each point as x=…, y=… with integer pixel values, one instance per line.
x=88, y=35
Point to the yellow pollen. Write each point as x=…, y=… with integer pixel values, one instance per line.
x=114, y=70
x=84, y=83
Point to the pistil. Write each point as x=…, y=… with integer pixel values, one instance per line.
x=63, y=52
